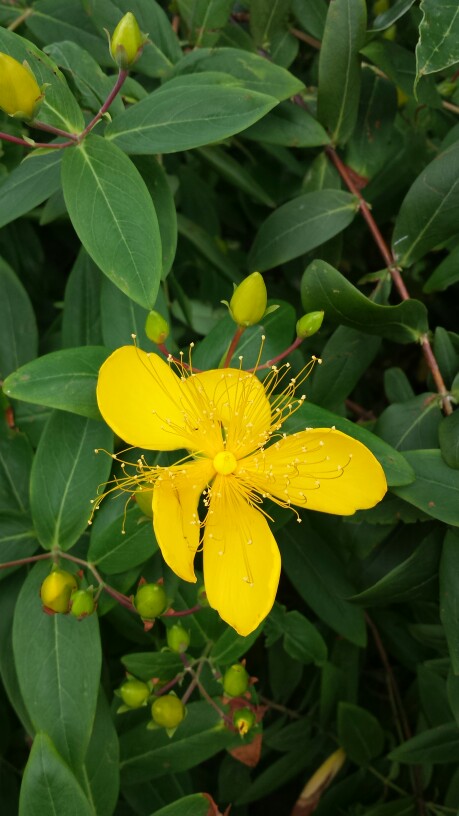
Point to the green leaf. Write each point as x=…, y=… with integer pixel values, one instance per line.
x=146, y=665
x=188, y=112
x=346, y=356
x=114, y=217
x=197, y=804
x=371, y=145
x=359, y=733
x=155, y=178
x=29, y=184
x=318, y=576
x=230, y=646
x=64, y=379
x=18, y=329
x=302, y=641
x=65, y=476
x=126, y=543
x=311, y=15
x=204, y=19
x=437, y=745
x=412, y=424
x=387, y=18
x=300, y=225
x=122, y=317
x=436, y=487
x=101, y=764
x=399, y=65
x=58, y=661
x=323, y=287
x=339, y=67
x=449, y=595
x=438, y=45
x=81, y=317
x=288, y=125
x=428, y=214
x=49, y=787
x=266, y=18
x=448, y=434
x=254, y=71
x=55, y=20
x=208, y=247
x=147, y=754
x=235, y=173
x=17, y=537
x=16, y=457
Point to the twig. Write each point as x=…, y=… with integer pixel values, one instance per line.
x=19, y=20
x=113, y=93
x=300, y=35
x=32, y=144
x=269, y=363
x=172, y=613
x=233, y=345
x=52, y=129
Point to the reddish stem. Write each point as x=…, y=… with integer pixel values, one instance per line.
x=113, y=93
x=296, y=343
x=30, y=560
x=170, y=357
x=16, y=140
x=171, y=613
x=233, y=345
x=55, y=130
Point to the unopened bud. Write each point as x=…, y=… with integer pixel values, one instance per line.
x=168, y=711
x=178, y=639
x=248, y=304
x=156, y=327
x=134, y=693
x=56, y=590
x=20, y=94
x=82, y=603
x=244, y=719
x=235, y=680
x=321, y=779
x=309, y=324
x=127, y=41
x=150, y=601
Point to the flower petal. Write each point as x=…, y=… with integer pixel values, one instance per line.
x=241, y=558
x=236, y=401
x=321, y=469
x=142, y=400
x=175, y=514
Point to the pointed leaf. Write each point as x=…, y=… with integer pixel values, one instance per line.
x=436, y=487
x=359, y=733
x=438, y=45
x=29, y=184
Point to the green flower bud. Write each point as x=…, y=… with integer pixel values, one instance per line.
x=168, y=711
x=150, y=601
x=156, y=327
x=134, y=693
x=309, y=324
x=248, y=304
x=144, y=498
x=244, y=719
x=20, y=93
x=56, y=589
x=178, y=639
x=82, y=603
x=127, y=41
x=235, y=680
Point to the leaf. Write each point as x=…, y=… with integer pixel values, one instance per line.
x=197, y=804
x=300, y=225
x=444, y=275
x=266, y=18
x=412, y=424
x=359, y=733
x=288, y=125
x=437, y=745
x=54, y=20
x=155, y=178
x=387, y=18
x=437, y=47
x=29, y=184
x=81, y=317
x=114, y=217
x=188, y=112
x=101, y=764
x=58, y=661
x=449, y=595
x=16, y=457
x=234, y=172
x=65, y=476
x=428, y=214
x=399, y=65
x=302, y=641
x=449, y=439
x=122, y=317
x=436, y=487
x=126, y=543
x=146, y=665
x=204, y=19
x=339, y=67
x=318, y=576
x=230, y=646
x=17, y=538
x=49, y=786
x=323, y=287
x=18, y=328
x=311, y=15
x=208, y=247
x=64, y=379
x=346, y=356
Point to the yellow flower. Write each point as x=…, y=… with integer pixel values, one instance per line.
x=19, y=90
x=238, y=456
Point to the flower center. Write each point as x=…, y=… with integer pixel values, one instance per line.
x=225, y=462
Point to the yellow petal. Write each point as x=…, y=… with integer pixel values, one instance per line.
x=321, y=469
x=142, y=400
x=241, y=558
x=19, y=90
x=175, y=514
x=238, y=404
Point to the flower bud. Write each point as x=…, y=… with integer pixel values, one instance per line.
x=309, y=324
x=178, y=639
x=202, y=596
x=56, y=589
x=244, y=719
x=235, y=680
x=20, y=93
x=248, y=304
x=144, y=498
x=168, y=711
x=150, y=601
x=321, y=779
x=127, y=41
x=82, y=603
x=134, y=693
x=156, y=327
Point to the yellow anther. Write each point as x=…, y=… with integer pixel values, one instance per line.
x=225, y=462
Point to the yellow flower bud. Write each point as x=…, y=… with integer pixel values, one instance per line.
x=127, y=41
x=56, y=590
x=321, y=779
x=309, y=324
x=248, y=304
x=19, y=90
x=156, y=327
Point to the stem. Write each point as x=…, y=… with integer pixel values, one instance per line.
x=296, y=343
x=300, y=35
x=16, y=140
x=30, y=560
x=171, y=613
x=394, y=270
x=122, y=599
x=115, y=90
x=203, y=691
x=55, y=130
x=278, y=707
x=19, y=20
x=170, y=358
x=233, y=345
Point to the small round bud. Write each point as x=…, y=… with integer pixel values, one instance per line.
x=156, y=327
x=168, y=711
x=134, y=693
x=244, y=719
x=248, y=304
x=127, y=41
x=20, y=93
x=56, y=590
x=202, y=596
x=178, y=639
x=144, y=499
x=235, y=680
x=82, y=603
x=309, y=324
x=150, y=601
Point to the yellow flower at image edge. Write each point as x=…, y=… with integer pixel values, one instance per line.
x=238, y=457
x=19, y=90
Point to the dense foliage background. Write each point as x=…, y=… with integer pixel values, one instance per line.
x=244, y=138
